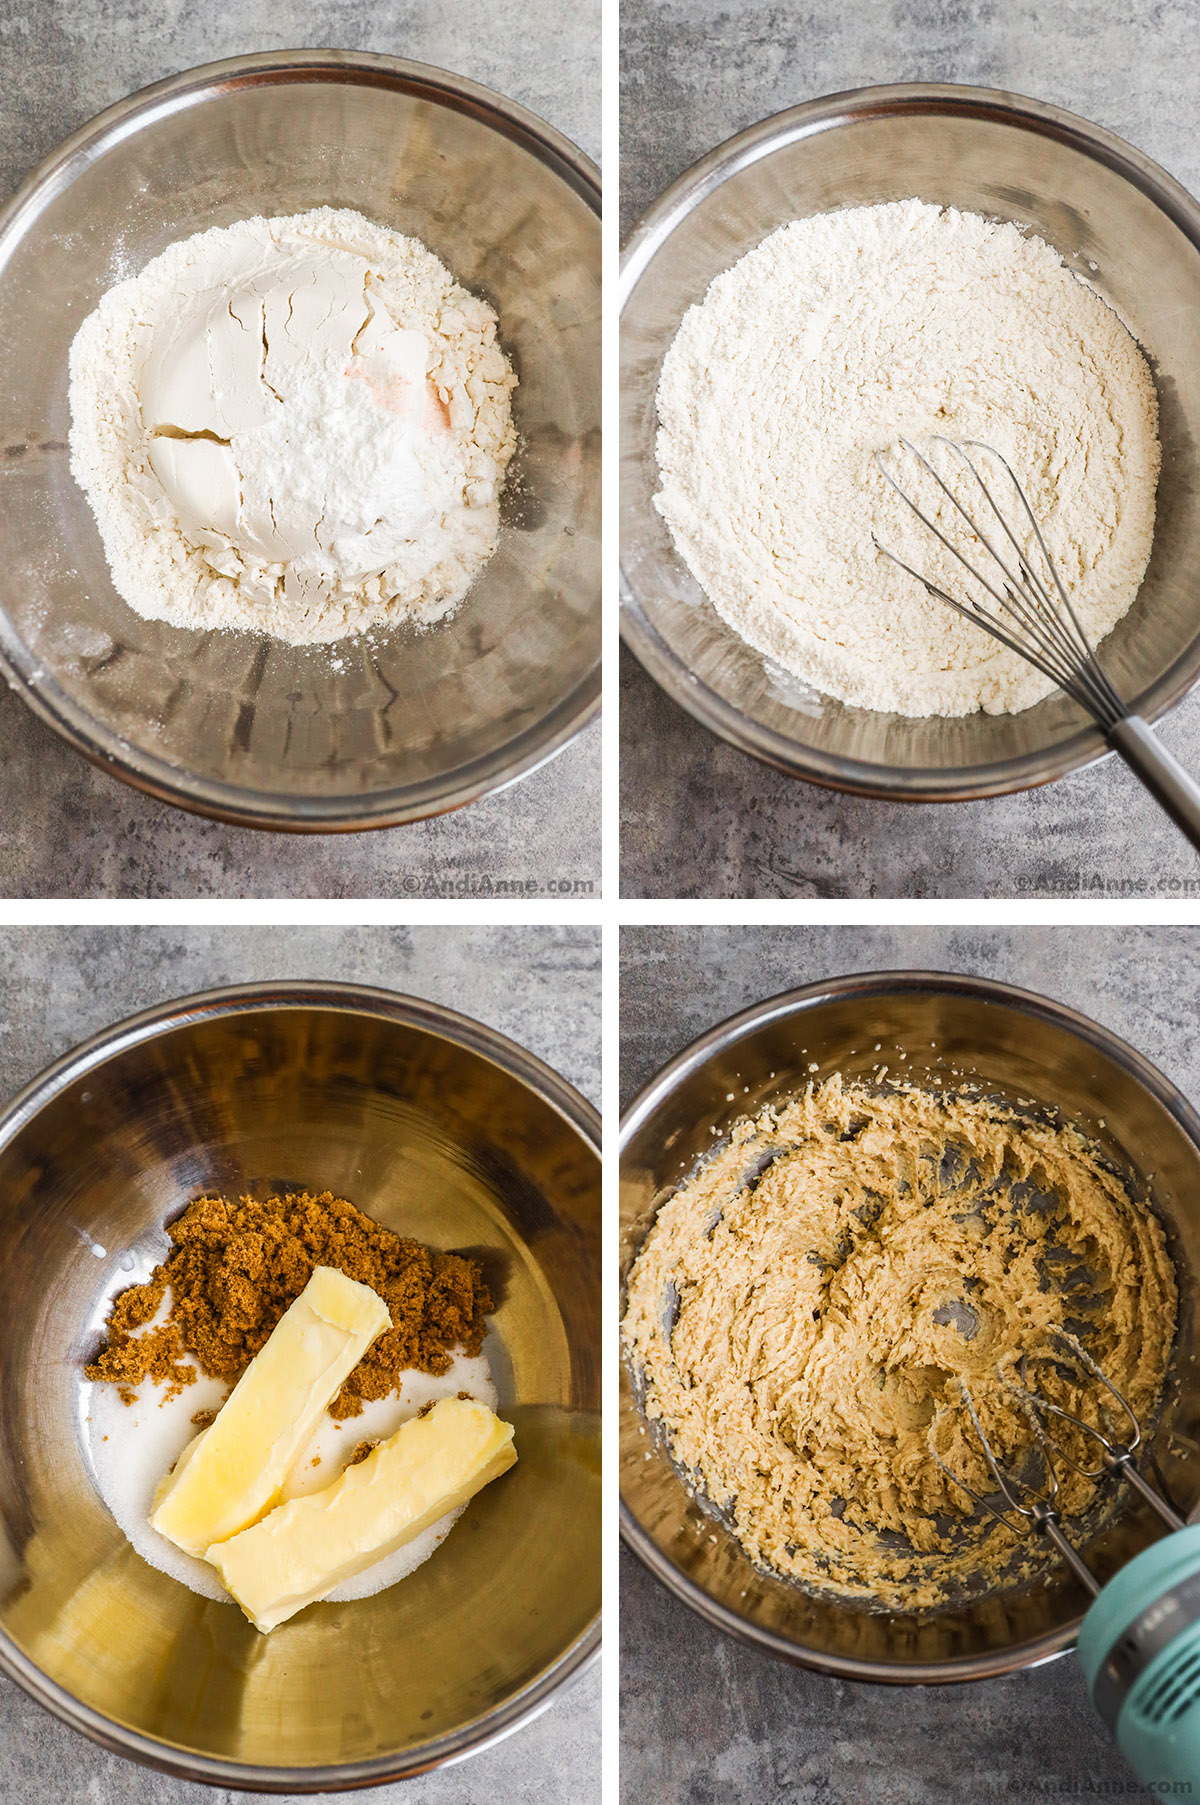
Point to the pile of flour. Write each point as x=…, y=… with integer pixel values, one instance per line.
x=297, y=426
x=829, y=342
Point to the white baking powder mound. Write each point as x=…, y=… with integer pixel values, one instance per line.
x=132, y=1446
x=831, y=341
x=295, y=426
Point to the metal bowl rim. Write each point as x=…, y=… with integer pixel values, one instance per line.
x=379, y=1005
x=860, y=777
x=719, y=1039
x=279, y=811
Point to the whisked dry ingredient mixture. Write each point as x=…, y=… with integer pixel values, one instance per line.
x=234, y=1268
x=830, y=341
x=805, y=1306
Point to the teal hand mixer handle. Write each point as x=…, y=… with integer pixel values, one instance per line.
x=1139, y=1648
x=1139, y=1645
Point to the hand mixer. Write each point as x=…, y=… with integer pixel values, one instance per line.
x=1139, y=1644
x=1033, y=616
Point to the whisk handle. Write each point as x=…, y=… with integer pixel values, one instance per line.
x=1163, y=776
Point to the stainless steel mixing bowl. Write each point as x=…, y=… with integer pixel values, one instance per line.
x=1116, y=217
x=439, y=1128
x=376, y=730
x=1022, y=1047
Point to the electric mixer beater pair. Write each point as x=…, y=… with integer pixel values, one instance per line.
x=1139, y=1644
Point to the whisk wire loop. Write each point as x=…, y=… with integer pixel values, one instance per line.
x=1037, y=620
x=1029, y=611
x=1093, y=669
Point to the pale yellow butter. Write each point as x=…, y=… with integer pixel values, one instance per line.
x=233, y=1471
x=301, y=1551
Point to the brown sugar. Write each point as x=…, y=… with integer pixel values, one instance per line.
x=234, y=1268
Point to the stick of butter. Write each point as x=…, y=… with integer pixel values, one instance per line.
x=309, y=1545
x=233, y=1471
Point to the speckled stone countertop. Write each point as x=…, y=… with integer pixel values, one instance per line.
x=704, y=1720
x=541, y=986
x=70, y=830
x=698, y=817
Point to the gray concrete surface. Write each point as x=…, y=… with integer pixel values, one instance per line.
x=704, y=1720
x=700, y=819
x=70, y=830
x=541, y=986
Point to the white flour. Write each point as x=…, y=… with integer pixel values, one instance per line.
x=295, y=426
x=833, y=338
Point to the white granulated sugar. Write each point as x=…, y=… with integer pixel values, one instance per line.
x=833, y=339
x=296, y=426
x=132, y=1446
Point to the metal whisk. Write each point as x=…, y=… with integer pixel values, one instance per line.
x=1030, y=612
x=1034, y=1502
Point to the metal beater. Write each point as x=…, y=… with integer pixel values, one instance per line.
x=1139, y=1644
x=1030, y=612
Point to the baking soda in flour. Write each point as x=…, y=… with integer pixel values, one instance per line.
x=131, y=1447
x=297, y=426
